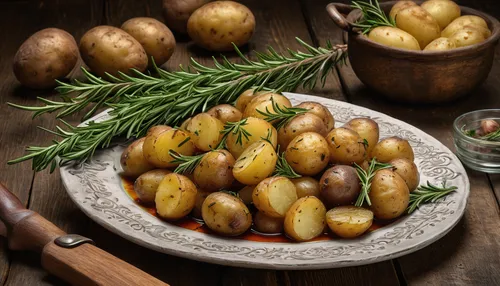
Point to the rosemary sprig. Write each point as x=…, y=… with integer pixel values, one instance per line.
x=281, y=115
x=428, y=194
x=493, y=136
x=366, y=180
x=236, y=128
x=187, y=164
x=284, y=169
x=373, y=16
x=182, y=94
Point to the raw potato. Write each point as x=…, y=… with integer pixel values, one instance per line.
x=255, y=164
x=305, y=219
x=201, y=195
x=389, y=195
x=419, y=23
x=217, y=25
x=258, y=129
x=267, y=224
x=307, y=122
x=132, y=160
x=308, y=154
x=205, y=131
x=367, y=129
x=264, y=103
x=245, y=194
x=443, y=11
x=226, y=214
x=225, y=113
x=394, y=37
x=440, y=44
x=177, y=12
x=112, y=50
x=215, y=171
x=400, y=5
x=339, y=185
x=392, y=148
x=349, y=221
x=319, y=110
x=467, y=37
x=45, y=56
x=408, y=171
x=274, y=196
x=346, y=146
x=306, y=186
x=147, y=184
x=175, y=197
x=485, y=31
x=157, y=147
x=462, y=21
x=156, y=39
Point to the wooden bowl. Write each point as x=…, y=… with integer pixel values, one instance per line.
x=416, y=76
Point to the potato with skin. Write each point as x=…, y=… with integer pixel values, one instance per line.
x=175, y=197
x=349, y=221
x=462, y=21
x=185, y=123
x=205, y=131
x=321, y=111
x=394, y=37
x=400, y=5
x=346, y=146
x=419, y=23
x=177, y=13
x=264, y=103
x=443, y=11
x=157, y=146
x=258, y=129
x=155, y=130
x=107, y=49
x=274, y=196
x=305, y=219
x=256, y=163
x=389, y=195
x=339, y=185
x=201, y=195
x=408, y=171
x=217, y=25
x=467, y=37
x=306, y=186
x=367, y=129
x=244, y=98
x=440, y=44
x=225, y=113
x=132, y=160
x=156, y=38
x=147, y=184
x=215, y=171
x=245, y=194
x=226, y=214
x=302, y=123
x=45, y=56
x=308, y=154
x=484, y=31
x=266, y=224
x=392, y=148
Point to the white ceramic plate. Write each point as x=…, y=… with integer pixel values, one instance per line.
x=97, y=189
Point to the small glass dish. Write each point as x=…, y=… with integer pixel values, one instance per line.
x=476, y=153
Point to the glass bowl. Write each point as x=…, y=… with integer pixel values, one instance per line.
x=475, y=153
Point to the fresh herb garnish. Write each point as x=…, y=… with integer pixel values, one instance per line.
x=282, y=114
x=187, y=164
x=284, y=169
x=373, y=16
x=428, y=194
x=365, y=178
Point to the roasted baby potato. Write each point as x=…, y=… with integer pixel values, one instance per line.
x=367, y=129
x=205, y=131
x=255, y=164
x=267, y=224
x=45, y=56
x=257, y=128
x=264, y=103
x=133, y=161
x=217, y=25
x=394, y=37
x=107, y=49
x=225, y=113
x=462, y=21
x=305, y=219
x=245, y=194
x=443, y=11
x=339, y=185
x=201, y=195
x=349, y=221
x=147, y=184
x=346, y=146
x=408, y=171
x=321, y=111
x=244, y=99
x=389, y=195
x=306, y=186
x=440, y=44
x=155, y=130
x=175, y=197
x=274, y=196
x=306, y=122
x=176, y=13
x=308, y=154
x=400, y=5
x=226, y=214
x=392, y=148
x=467, y=36
x=419, y=23
x=215, y=171
x=157, y=147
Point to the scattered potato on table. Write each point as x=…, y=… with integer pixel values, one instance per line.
x=264, y=103
x=394, y=37
x=392, y=148
x=225, y=113
x=440, y=44
x=339, y=185
x=146, y=185
x=367, y=129
x=308, y=154
x=176, y=197
x=245, y=194
x=205, y=131
x=157, y=147
x=467, y=36
x=306, y=122
x=400, y=5
x=215, y=171
x=462, y=21
x=133, y=161
x=267, y=224
x=274, y=196
x=258, y=129
x=389, y=195
x=226, y=214
x=443, y=11
x=306, y=186
x=305, y=219
x=418, y=23
x=408, y=171
x=346, y=146
x=349, y=221
x=201, y=195
x=177, y=12
x=321, y=111
x=255, y=164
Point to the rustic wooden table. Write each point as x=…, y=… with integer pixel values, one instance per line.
x=469, y=254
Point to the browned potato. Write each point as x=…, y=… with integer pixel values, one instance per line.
x=349, y=221
x=226, y=214
x=158, y=144
x=440, y=44
x=321, y=111
x=205, y=131
x=263, y=102
x=201, y=195
x=305, y=219
x=244, y=99
x=147, y=184
x=339, y=185
x=308, y=154
x=225, y=113
x=267, y=224
x=258, y=129
x=389, y=195
x=307, y=122
x=156, y=39
x=367, y=129
x=443, y=11
x=400, y=5
x=176, y=197
x=215, y=171
x=274, y=196
x=392, y=148
x=132, y=160
x=306, y=186
x=419, y=23
x=45, y=56
x=245, y=194
x=176, y=13
x=407, y=170
x=112, y=50
x=346, y=146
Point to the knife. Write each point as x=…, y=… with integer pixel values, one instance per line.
x=71, y=257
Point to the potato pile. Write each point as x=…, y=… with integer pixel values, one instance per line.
x=436, y=25
x=233, y=186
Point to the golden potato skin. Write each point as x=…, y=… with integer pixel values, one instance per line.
x=306, y=186
x=176, y=197
x=255, y=164
x=146, y=185
x=419, y=23
x=157, y=146
x=215, y=171
x=205, y=131
x=339, y=185
x=389, y=195
x=321, y=111
x=443, y=11
x=156, y=38
x=346, y=146
x=226, y=214
x=258, y=128
x=112, y=50
x=201, y=195
x=266, y=224
x=155, y=130
x=273, y=196
x=305, y=219
x=306, y=122
x=45, y=56
x=263, y=102
x=308, y=154
x=176, y=13
x=349, y=221
x=216, y=25
x=133, y=161
x=467, y=36
x=392, y=148
x=244, y=99
x=400, y=5
x=225, y=113
x=408, y=171
x=394, y=37
x=485, y=31
x=367, y=129
x=462, y=21
x=440, y=44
